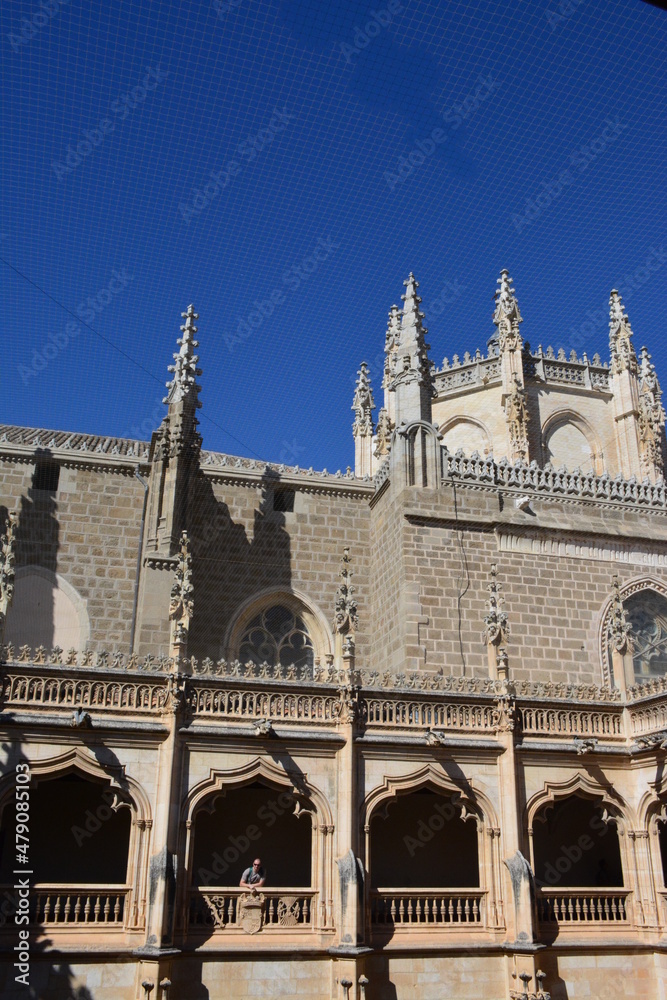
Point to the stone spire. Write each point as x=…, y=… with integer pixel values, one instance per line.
x=411, y=378
x=624, y=385
x=362, y=428
x=7, y=568
x=363, y=403
x=506, y=315
x=509, y=345
x=651, y=419
x=623, y=357
x=391, y=345
x=184, y=383
x=174, y=453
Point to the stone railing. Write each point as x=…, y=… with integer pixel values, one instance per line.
x=268, y=909
x=427, y=908
x=584, y=906
x=68, y=905
x=552, y=721
x=428, y=703
x=547, y=480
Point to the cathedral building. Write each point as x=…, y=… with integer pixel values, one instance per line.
x=428, y=696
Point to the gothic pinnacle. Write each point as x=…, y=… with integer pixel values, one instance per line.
x=363, y=403
x=623, y=357
x=184, y=369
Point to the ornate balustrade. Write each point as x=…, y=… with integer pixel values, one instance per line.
x=79, y=905
x=585, y=906
x=424, y=908
x=558, y=721
x=269, y=909
x=422, y=701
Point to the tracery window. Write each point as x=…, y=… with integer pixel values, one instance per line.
x=646, y=612
x=277, y=635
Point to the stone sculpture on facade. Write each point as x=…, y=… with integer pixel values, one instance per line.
x=7, y=568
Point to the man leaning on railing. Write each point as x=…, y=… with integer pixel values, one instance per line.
x=254, y=877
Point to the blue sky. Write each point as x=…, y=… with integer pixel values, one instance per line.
x=317, y=123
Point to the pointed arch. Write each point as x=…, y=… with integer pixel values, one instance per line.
x=584, y=784
x=560, y=418
x=297, y=602
x=627, y=589
x=258, y=769
x=458, y=422
x=81, y=760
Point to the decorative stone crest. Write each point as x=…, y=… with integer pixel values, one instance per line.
x=250, y=913
x=528, y=993
x=619, y=628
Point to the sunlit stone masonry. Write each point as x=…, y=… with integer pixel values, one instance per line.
x=428, y=695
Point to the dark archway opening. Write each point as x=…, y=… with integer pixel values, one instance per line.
x=76, y=838
x=254, y=821
x=575, y=846
x=662, y=840
x=420, y=840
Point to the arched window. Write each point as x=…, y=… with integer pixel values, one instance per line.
x=77, y=837
x=277, y=635
x=424, y=839
x=576, y=844
x=248, y=822
x=647, y=613
x=569, y=441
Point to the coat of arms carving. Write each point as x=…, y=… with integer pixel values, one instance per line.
x=250, y=911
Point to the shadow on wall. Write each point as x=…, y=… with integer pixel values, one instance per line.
x=32, y=614
x=228, y=568
x=49, y=977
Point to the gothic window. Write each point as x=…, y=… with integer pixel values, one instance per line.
x=277, y=635
x=647, y=613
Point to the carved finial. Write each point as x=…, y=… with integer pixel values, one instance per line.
x=496, y=623
x=7, y=566
x=181, y=604
x=346, y=619
x=517, y=417
x=363, y=404
x=506, y=316
x=185, y=370
x=651, y=419
x=623, y=357
x=383, y=433
x=619, y=628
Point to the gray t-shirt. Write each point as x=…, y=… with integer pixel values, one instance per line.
x=250, y=876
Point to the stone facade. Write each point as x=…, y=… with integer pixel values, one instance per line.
x=431, y=693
